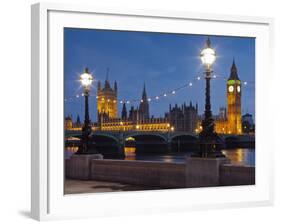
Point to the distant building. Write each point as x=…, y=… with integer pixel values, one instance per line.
x=152, y=124
x=183, y=118
x=248, y=118
x=68, y=125
x=137, y=119
x=222, y=113
x=107, y=100
x=221, y=126
x=221, y=123
x=178, y=118
x=139, y=113
x=248, y=125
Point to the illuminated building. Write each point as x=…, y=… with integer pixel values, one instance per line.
x=234, y=102
x=152, y=124
x=221, y=122
x=183, y=118
x=179, y=118
x=221, y=126
x=68, y=125
x=136, y=120
x=107, y=100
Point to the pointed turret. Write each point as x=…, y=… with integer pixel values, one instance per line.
x=78, y=122
x=144, y=106
x=115, y=86
x=124, y=112
x=144, y=96
x=233, y=72
x=99, y=86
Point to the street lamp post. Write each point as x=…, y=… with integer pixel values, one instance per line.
x=210, y=142
x=86, y=147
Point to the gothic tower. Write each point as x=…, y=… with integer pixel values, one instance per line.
x=124, y=112
x=234, y=102
x=107, y=100
x=144, y=106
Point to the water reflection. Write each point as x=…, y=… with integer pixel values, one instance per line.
x=239, y=156
x=69, y=151
x=130, y=153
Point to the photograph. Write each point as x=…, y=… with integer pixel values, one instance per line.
x=157, y=111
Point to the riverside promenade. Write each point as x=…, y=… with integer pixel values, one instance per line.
x=95, y=186
x=88, y=175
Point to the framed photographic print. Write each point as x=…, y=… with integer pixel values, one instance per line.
x=150, y=110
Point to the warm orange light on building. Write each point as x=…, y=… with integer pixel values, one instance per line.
x=130, y=151
x=106, y=100
x=127, y=125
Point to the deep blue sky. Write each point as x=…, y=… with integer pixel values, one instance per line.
x=162, y=61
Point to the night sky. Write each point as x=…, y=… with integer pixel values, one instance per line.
x=162, y=61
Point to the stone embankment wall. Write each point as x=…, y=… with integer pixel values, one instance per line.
x=155, y=174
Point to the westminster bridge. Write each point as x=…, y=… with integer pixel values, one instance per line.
x=113, y=142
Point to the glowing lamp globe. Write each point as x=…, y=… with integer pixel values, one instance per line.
x=208, y=55
x=86, y=79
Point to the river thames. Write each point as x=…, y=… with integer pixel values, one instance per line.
x=238, y=156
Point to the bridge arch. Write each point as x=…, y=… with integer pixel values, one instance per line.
x=191, y=135
x=149, y=142
x=136, y=134
x=104, y=134
x=106, y=144
x=74, y=135
x=184, y=142
x=230, y=137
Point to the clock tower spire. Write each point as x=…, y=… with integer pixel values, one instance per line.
x=234, y=101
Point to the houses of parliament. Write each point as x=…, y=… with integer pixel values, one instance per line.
x=177, y=118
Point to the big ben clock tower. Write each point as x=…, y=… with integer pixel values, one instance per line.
x=234, y=102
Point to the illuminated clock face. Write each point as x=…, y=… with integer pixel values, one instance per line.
x=230, y=89
x=238, y=89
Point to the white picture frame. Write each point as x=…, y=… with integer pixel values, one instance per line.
x=48, y=200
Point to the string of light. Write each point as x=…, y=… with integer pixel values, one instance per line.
x=164, y=94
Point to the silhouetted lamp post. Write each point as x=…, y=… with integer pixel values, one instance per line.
x=210, y=142
x=87, y=147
